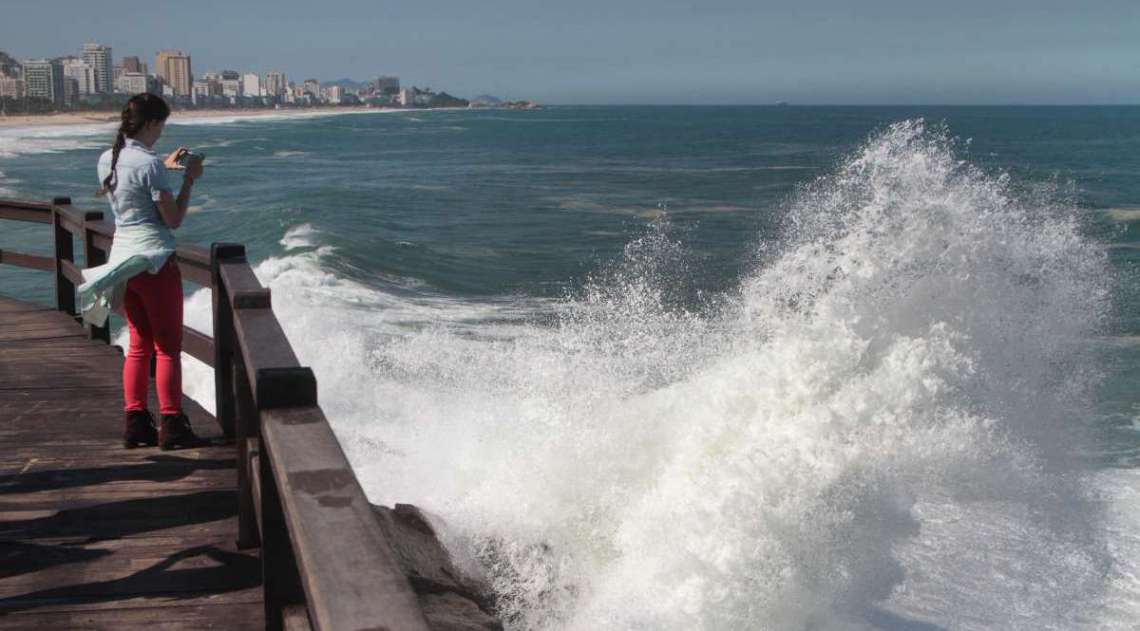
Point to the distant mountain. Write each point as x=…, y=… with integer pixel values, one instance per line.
x=487, y=99
x=443, y=99
x=346, y=83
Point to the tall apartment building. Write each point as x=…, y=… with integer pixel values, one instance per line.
x=251, y=84
x=407, y=97
x=12, y=87
x=70, y=91
x=134, y=83
x=208, y=85
x=173, y=67
x=231, y=88
x=231, y=83
x=387, y=85
x=83, y=73
x=275, y=84
x=201, y=90
x=43, y=78
x=312, y=86
x=132, y=64
x=98, y=57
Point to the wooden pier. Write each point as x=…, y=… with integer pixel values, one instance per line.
x=268, y=528
x=94, y=535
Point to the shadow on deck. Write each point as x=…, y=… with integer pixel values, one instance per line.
x=93, y=535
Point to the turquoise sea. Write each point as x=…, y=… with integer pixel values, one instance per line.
x=706, y=367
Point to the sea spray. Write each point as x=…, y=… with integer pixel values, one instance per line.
x=873, y=431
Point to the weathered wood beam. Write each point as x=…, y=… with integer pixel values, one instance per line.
x=71, y=272
x=16, y=210
x=33, y=261
x=194, y=273
x=350, y=574
x=198, y=345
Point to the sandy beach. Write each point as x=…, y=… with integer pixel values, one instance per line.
x=98, y=118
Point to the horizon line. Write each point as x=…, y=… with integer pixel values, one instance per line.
x=790, y=104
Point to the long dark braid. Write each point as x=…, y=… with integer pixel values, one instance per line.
x=140, y=109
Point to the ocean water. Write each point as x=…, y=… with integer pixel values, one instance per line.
x=707, y=368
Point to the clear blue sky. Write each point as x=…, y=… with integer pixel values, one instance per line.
x=643, y=51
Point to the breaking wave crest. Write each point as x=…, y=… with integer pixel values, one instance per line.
x=875, y=431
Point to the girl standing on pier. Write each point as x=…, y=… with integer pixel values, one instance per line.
x=141, y=274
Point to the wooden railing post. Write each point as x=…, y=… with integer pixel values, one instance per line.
x=64, y=251
x=279, y=387
x=248, y=431
x=281, y=581
x=223, y=335
x=93, y=256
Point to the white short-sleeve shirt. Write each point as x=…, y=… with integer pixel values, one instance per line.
x=140, y=179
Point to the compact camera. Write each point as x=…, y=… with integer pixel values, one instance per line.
x=188, y=156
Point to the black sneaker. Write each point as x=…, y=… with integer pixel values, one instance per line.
x=175, y=432
x=139, y=430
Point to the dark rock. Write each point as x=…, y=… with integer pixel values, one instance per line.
x=451, y=601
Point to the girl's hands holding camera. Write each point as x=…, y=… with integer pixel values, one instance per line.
x=178, y=161
x=171, y=160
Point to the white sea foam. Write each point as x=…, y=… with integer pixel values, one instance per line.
x=873, y=432
x=16, y=141
x=1124, y=215
x=276, y=116
x=302, y=236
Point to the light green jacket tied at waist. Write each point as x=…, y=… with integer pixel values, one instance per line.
x=136, y=250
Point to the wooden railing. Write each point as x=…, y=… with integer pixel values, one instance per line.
x=325, y=561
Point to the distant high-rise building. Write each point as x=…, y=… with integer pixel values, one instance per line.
x=70, y=91
x=134, y=83
x=251, y=84
x=11, y=87
x=202, y=90
x=313, y=87
x=231, y=88
x=43, y=79
x=83, y=73
x=407, y=97
x=132, y=64
x=275, y=84
x=334, y=94
x=387, y=85
x=209, y=85
x=174, y=69
x=98, y=57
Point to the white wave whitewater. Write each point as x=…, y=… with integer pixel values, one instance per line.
x=879, y=429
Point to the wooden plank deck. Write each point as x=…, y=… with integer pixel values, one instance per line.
x=94, y=536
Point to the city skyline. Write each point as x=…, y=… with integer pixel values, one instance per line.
x=721, y=51
x=97, y=80
x=175, y=68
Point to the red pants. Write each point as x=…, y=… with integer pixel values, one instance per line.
x=153, y=305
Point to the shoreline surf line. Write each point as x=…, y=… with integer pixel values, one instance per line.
x=190, y=117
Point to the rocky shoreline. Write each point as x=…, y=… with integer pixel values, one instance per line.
x=450, y=600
